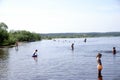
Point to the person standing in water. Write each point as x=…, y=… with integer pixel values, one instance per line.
x=100, y=78
x=35, y=53
x=114, y=50
x=85, y=40
x=72, y=46
x=99, y=66
x=16, y=45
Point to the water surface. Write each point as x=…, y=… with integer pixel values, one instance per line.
x=57, y=61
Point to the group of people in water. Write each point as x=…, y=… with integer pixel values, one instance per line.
x=99, y=66
x=72, y=45
x=98, y=57
x=99, y=62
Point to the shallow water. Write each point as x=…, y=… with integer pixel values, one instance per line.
x=56, y=60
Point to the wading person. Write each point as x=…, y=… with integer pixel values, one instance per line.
x=72, y=46
x=114, y=50
x=35, y=53
x=85, y=40
x=99, y=66
x=16, y=45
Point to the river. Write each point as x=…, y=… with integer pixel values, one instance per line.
x=57, y=61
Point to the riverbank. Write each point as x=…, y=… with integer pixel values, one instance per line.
x=13, y=45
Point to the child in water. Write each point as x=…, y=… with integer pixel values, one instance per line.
x=85, y=40
x=35, y=53
x=99, y=66
x=72, y=46
x=114, y=50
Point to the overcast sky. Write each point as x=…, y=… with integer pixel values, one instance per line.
x=56, y=16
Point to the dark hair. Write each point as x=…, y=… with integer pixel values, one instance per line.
x=99, y=55
x=113, y=47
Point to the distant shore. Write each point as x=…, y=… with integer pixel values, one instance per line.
x=80, y=35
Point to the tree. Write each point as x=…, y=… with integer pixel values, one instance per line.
x=22, y=35
x=3, y=33
x=13, y=36
x=3, y=26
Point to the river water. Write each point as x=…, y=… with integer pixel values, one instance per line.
x=57, y=61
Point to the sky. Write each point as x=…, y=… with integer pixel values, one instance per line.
x=61, y=16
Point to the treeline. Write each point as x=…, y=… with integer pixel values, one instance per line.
x=8, y=38
x=80, y=35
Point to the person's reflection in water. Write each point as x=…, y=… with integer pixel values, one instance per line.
x=36, y=59
x=16, y=48
x=100, y=78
